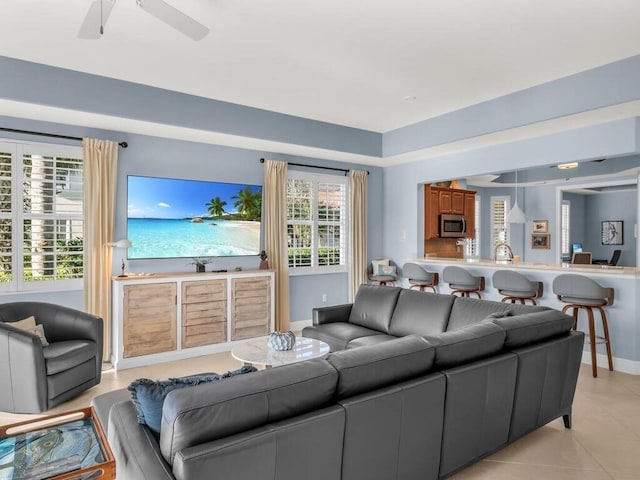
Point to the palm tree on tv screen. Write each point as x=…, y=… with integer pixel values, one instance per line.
x=216, y=207
x=248, y=203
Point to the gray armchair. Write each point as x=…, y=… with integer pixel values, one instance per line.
x=35, y=378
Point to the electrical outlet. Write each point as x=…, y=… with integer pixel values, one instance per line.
x=324, y=297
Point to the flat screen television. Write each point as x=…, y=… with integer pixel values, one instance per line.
x=175, y=218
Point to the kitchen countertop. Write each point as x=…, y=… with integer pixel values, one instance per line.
x=564, y=267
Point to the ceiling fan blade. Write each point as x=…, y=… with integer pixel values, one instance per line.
x=90, y=28
x=174, y=18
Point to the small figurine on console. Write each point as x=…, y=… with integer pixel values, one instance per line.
x=264, y=264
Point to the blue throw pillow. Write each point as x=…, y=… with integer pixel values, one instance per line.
x=148, y=395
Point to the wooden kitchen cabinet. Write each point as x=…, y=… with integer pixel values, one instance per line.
x=439, y=200
x=470, y=213
x=444, y=201
x=458, y=202
x=431, y=212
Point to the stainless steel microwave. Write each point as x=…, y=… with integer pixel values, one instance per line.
x=453, y=226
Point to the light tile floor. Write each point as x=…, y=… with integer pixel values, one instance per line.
x=604, y=443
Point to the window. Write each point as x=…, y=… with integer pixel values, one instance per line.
x=317, y=223
x=41, y=217
x=565, y=229
x=499, y=226
x=473, y=244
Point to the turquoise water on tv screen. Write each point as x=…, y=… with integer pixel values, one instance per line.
x=168, y=238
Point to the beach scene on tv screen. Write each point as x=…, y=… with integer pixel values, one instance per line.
x=169, y=218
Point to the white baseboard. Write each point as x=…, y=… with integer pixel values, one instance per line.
x=299, y=325
x=619, y=364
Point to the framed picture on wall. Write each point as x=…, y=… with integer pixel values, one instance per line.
x=540, y=226
x=541, y=240
x=612, y=231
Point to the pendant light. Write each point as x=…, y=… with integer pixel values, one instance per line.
x=516, y=215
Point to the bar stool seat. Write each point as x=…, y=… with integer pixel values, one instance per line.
x=419, y=278
x=515, y=287
x=580, y=292
x=462, y=282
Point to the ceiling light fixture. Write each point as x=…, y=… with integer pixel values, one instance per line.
x=409, y=98
x=568, y=166
x=516, y=215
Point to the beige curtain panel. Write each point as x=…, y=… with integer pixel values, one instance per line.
x=100, y=158
x=358, y=213
x=275, y=196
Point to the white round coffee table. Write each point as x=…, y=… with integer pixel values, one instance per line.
x=258, y=352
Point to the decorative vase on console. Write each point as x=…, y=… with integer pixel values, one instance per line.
x=281, y=340
x=264, y=263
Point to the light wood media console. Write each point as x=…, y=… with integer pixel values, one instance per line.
x=162, y=317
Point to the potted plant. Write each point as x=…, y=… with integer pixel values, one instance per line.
x=200, y=262
x=264, y=264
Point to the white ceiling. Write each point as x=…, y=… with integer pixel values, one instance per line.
x=348, y=62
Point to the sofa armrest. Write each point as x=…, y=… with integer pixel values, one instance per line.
x=134, y=446
x=335, y=313
x=23, y=376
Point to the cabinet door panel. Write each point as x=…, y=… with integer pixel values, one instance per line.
x=251, y=307
x=445, y=201
x=470, y=213
x=149, y=322
x=204, y=312
x=457, y=203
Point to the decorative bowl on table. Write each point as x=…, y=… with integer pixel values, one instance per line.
x=281, y=340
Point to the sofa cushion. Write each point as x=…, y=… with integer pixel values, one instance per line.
x=373, y=307
x=337, y=335
x=148, y=395
x=467, y=344
x=61, y=356
x=370, y=340
x=192, y=416
x=421, y=313
x=376, y=366
x=534, y=327
x=469, y=311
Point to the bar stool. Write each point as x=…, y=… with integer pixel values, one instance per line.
x=419, y=277
x=382, y=279
x=462, y=282
x=515, y=287
x=578, y=291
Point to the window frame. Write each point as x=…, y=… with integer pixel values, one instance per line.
x=345, y=224
x=507, y=206
x=18, y=150
x=565, y=229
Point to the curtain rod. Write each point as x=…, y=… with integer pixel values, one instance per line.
x=51, y=135
x=316, y=166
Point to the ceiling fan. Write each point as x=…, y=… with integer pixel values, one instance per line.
x=92, y=27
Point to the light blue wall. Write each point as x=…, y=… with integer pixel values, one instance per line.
x=56, y=87
x=155, y=156
x=610, y=84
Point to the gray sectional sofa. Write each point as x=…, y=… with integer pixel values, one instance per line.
x=437, y=382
